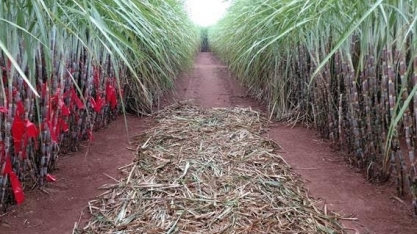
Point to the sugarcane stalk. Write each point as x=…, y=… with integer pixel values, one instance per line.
x=396, y=156
x=413, y=162
x=369, y=147
x=354, y=115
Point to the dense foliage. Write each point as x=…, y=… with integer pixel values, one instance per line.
x=347, y=67
x=68, y=67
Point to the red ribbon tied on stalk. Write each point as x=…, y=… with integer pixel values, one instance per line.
x=18, y=130
x=8, y=167
x=77, y=100
x=31, y=130
x=20, y=109
x=54, y=137
x=97, y=104
x=65, y=111
x=19, y=197
x=63, y=125
x=16, y=186
x=111, y=95
x=60, y=103
x=3, y=110
x=50, y=178
x=20, y=127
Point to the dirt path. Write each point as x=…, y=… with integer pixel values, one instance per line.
x=210, y=84
x=328, y=176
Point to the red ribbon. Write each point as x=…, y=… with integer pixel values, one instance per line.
x=111, y=96
x=97, y=104
x=50, y=178
x=51, y=126
x=63, y=125
x=3, y=110
x=19, y=197
x=65, y=111
x=16, y=186
x=18, y=130
x=77, y=100
x=20, y=109
x=31, y=130
x=8, y=167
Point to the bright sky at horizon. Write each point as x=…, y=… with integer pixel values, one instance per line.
x=206, y=12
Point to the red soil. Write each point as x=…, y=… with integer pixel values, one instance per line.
x=211, y=85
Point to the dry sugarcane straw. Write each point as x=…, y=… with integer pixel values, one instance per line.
x=208, y=171
x=349, y=70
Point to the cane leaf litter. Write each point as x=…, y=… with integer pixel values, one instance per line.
x=207, y=171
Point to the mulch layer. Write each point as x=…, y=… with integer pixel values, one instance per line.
x=208, y=171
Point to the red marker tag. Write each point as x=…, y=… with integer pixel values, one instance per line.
x=18, y=129
x=98, y=104
x=3, y=109
x=50, y=178
x=17, y=188
x=8, y=167
x=31, y=130
x=77, y=100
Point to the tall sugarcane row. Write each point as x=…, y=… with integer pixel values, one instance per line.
x=358, y=110
x=80, y=97
x=349, y=70
x=204, y=47
x=69, y=67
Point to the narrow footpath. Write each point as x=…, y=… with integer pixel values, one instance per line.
x=210, y=84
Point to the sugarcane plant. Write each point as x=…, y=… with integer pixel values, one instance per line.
x=70, y=67
x=204, y=44
x=347, y=68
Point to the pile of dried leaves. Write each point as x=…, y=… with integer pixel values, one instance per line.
x=207, y=171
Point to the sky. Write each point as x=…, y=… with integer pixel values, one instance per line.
x=206, y=12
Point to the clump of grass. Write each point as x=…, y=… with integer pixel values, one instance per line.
x=347, y=69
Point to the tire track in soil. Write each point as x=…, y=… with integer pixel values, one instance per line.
x=210, y=85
